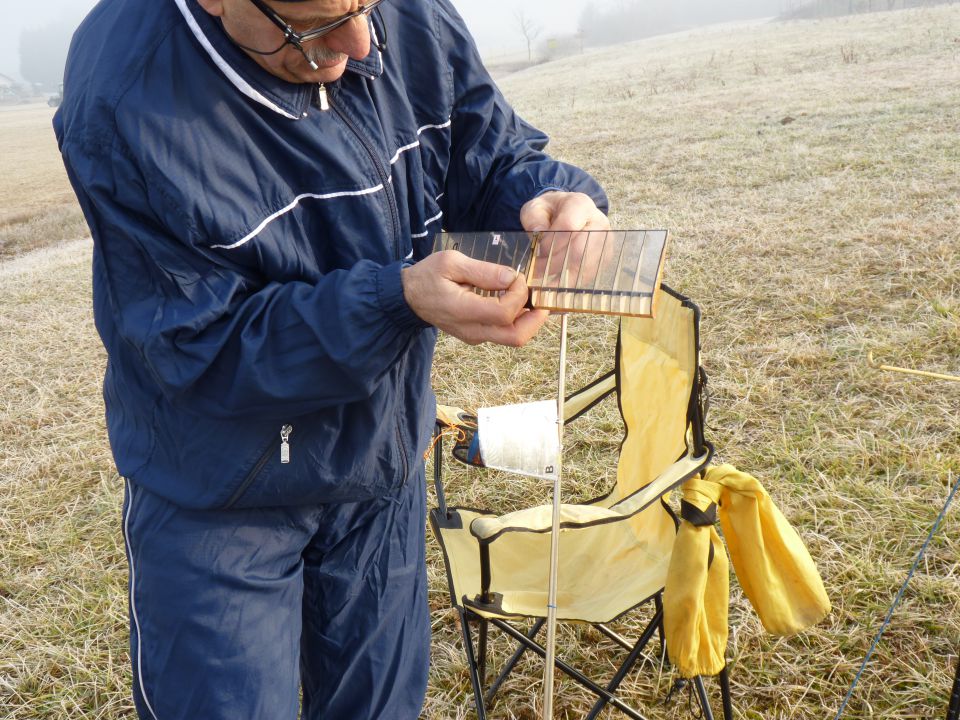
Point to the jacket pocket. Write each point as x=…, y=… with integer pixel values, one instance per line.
x=280, y=444
x=343, y=454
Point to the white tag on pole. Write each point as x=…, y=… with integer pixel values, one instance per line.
x=521, y=439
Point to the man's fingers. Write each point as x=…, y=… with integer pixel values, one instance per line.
x=500, y=310
x=516, y=335
x=577, y=212
x=479, y=274
x=535, y=215
x=562, y=211
x=528, y=325
x=516, y=295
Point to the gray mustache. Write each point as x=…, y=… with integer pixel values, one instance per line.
x=323, y=56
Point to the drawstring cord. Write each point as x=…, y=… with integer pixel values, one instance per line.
x=454, y=431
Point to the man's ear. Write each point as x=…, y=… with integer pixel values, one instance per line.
x=214, y=7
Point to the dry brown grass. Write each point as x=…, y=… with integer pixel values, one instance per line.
x=62, y=565
x=807, y=244
x=37, y=206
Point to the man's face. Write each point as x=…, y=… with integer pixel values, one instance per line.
x=247, y=25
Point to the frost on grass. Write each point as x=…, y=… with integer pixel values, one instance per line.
x=807, y=244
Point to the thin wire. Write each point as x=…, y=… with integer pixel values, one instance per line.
x=896, y=602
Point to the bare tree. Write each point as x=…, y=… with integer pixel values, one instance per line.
x=529, y=29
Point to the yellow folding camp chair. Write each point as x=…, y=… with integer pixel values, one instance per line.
x=615, y=550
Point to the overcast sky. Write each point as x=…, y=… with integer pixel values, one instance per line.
x=492, y=21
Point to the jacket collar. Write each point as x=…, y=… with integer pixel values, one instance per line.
x=287, y=99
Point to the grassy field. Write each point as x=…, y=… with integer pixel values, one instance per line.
x=37, y=205
x=809, y=173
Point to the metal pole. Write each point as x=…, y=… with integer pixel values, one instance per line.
x=953, y=712
x=555, y=534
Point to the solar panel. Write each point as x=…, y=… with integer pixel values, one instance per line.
x=608, y=272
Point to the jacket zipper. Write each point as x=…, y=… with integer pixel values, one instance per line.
x=324, y=102
x=323, y=98
x=285, y=432
x=282, y=440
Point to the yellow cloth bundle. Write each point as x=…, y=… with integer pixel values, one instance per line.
x=772, y=564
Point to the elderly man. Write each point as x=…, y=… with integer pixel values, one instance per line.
x=262, y=179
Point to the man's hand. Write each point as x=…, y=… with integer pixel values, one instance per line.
x=439, y=289
x=574, y=215
x=562, y=211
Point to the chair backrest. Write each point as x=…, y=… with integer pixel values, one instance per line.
x=658, y=382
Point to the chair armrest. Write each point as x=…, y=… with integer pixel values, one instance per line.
x=574, y=406
x=675, y=475
x=452, y=416
x=539, y=520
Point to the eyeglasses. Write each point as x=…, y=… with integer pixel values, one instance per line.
x=297, y=39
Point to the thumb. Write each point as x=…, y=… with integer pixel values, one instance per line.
x=485, y=275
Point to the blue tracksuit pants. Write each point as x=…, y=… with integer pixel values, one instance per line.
x=232, y=611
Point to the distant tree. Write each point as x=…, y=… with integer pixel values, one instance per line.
x=529, y=29
x=43, y=53
x=583, y=25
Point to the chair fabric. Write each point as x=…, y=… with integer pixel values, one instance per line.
x=773, y=567
x=614, y=551
x=622, y=549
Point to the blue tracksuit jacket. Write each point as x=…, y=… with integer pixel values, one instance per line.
x=248, y=244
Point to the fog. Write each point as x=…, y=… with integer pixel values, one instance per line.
x=18, y=16
x=495, y=27
x=493, y=22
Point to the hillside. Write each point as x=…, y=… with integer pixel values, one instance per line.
x=808, y=174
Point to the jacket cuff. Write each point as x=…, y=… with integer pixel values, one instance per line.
x=392, y=302
x=599, y=198
x=549, y=188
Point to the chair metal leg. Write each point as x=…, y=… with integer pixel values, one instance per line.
x=472, y=662
x=623, y=642
x=438, y=469
x=569, y=670
x=627, y=664
x=586, y=682
x=512, y=662
x=725, y=693
x=658, y=603
x=482, y=652
x=476, y=659
x=703, y=698
x=616, y=637
x=953, y=712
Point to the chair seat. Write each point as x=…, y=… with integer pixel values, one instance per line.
x=612, y=559
x=632, y=569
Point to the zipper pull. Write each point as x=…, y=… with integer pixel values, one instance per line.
x=285, y=432
x=322, y=98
